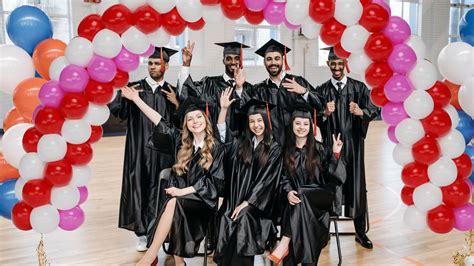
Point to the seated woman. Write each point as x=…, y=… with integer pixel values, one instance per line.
x=310, y=173
x=253, y=169
x=195, y=180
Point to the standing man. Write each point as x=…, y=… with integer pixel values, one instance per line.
x=142, y=165
x=348, y=111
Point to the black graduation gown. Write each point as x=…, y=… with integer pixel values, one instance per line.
x=268, y=91
x=257, y=184
x=307, y=223
x=353, y=131
x=192, y=211
x=141, y=165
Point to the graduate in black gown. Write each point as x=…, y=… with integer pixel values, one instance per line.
x=210, y=88
x=245, y=220
x=348, y=110
x=142, y=165
x=281, y=88
x=311, y=173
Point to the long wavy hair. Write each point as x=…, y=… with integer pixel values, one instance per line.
x=185, y=153
x=246, y=148
x=313, y=158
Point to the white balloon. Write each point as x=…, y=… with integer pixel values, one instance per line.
x=12, y=143
x=310, y=28
x=20, y=183
x=354, y=38
x=79, y=51
x=455, y=62
x=348, y=12
x=452, y=145
x=65, y=198
x=104, y=5
x=424, y=75
x=76, y=131
x=427, y=197
x=443, y=172
x=414, y=218
x=107, y=43
x=296, y=11
x=402, y=154
x=212, y=14
x=57, y=66
x=80, y=176
x=44, y=219
x=159, y=37
x=135, y=41
x=358, y=63
x=409, y=131
x=15, y=66
x=162, y=6
x=31, y=166
x=97, y=115
x=466, y=96
x=133, y=4
x=51, y=147
x=190, y=10
x=419, y=104
x=418, y=46
x=453, y=114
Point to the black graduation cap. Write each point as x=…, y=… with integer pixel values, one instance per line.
x=192, y=104
x=274, y=46
x=234, y=48
x=303, y=110
x=332, y=55
x=254, y=106
x=167, y=53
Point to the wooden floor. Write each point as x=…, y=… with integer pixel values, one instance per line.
x=100, y=242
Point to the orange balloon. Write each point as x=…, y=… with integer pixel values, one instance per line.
x=454, y=88
x=12, y=118
x=44, y=54
x=7, y=171
x=25, y=96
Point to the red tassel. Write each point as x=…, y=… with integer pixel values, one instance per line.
x=315, y=131
x=241, y=62
x=347, y=66
x=287, y=67
x=162, y=62
x=268, y=116
x=207, y=110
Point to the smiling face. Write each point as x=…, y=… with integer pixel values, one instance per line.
x=154, y=68
x=337, y=68
x=257, y=125
x=273, y=63
x=231, y=63
x=301, y=127
x=196, y=121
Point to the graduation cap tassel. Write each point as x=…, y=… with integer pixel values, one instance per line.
x=268, y=116
x=315, y=127
x=207, y=110
x=347, y=66
x=241, y=58
x=287, y=67
x=162, y=62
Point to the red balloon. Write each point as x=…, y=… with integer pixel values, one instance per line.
x=58, y=173
x=377, y=95
x=98, y=92
x=415, y=174
x=147, y=19
x=440, y=93
x=374, y=17
x=74, y=105
x=31, y=139
x=90, y=26
x=378, y=73
x=79, y=154
x=321, y=10
x=437, y=124
x=96, y=134
x=457, y=194
x=378, y=47
x=254, y=18
x=340, y=52
x=21, y=216
x=440, y=219
x=120, y=80
x=331, y=32
x=233, y=9
x=426, y=150
x=49, y=120
x=407, y=195
x=464, y=166
x=365, y=2
x=454, y=88
x=198, y=25
x=37, y=192
x=118, y=18
x=173, y=23
x=210, y=2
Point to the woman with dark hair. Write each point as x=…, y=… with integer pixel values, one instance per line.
x=196, y=178
x=311, y=171
x=253, y=169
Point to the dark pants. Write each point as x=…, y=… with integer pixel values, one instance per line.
x=360, y=224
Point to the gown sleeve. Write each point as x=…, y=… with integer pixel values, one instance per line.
x=368, y=108
x=334, y=169
x=313, y=98
x=285, y=184
x=120, y=107
x=165, y=138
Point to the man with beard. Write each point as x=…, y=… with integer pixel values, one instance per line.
x=281, y=88
x=348, y=111
x=142, y=165
x=209, y=89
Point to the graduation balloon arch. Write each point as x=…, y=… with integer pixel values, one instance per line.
x=58, y=115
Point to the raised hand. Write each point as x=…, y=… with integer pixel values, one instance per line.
x=293, y=198
x=239, y=78
x=293, y=86
x=171, y=96
x=225, y=101
x=187, y=53
x=131, y=93
x=355, y=109
x=337, y=143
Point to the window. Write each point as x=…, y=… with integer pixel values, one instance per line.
x=176, y=43
x=456, y=12
x=409, y=10
x=254, y=36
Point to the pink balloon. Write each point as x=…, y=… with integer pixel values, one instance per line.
x=402, y=59
x=397, y=30
x=102, y=69
x=73, y=78
x=464, y=217
x=83, y=194
x=291, y=26
x=51, y=94
x=383, y=4
x=398, y=88
x=70, y=220
x=393, y=113
x=148, y=52
x=391, y=134
x=126, y=61
x=256, y=5
x=274, y=13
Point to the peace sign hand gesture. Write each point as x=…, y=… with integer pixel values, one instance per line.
x=337, y=143
x=187, y=53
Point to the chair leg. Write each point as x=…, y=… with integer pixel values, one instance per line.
x=205, y=250
x=336, y=230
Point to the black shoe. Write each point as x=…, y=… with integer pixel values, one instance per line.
x=364, y=241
